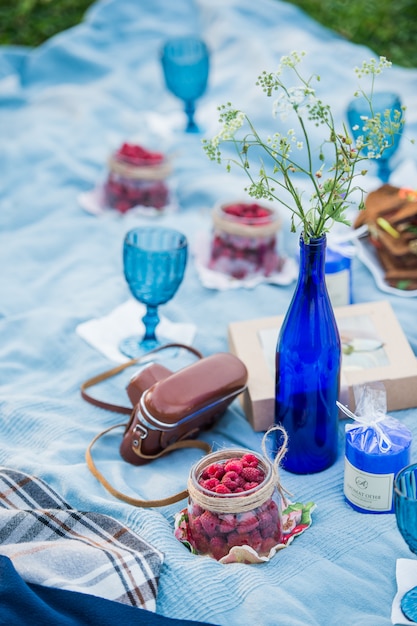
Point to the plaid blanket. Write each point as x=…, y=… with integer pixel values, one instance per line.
x=54, y=545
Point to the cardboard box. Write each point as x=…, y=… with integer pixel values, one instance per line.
x=374, y=349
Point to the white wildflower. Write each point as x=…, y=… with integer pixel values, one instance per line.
x=329, y=201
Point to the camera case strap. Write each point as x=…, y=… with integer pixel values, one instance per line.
x=169, y=410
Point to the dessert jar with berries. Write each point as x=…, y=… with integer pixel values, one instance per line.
x=137, y=178
x=233, y=501
x=244, y=240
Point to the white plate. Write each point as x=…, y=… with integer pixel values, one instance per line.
x=367, y=254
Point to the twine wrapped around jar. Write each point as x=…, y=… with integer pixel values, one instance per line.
x=245, y=501
x=138, y=172
x=231, y=225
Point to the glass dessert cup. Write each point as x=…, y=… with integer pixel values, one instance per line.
x=243, y=510
x=244, y=241
x=136, y=178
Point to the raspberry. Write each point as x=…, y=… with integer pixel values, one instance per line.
x=230, y=485
x=123, y=206
x=250, y=212
x=268, y=531
x=201, y=543
x=227, y=524
x=234, y=209
x=273, y=510
x=253, y=474
x=136, y=154
x=230, y=476
x=209, y=523
x=256, y=540
x=210, y=483
x=263, y=212
x=234, y=465
x=218, y=547
x=199, y=538
x=195, y=525
x=247, y=522
x=236, y=539
x=249, y=460
x=196, y=510
x=233, y=539
x=214, y=471
x=222, y=488
x=248, y=486
x=230, y=479
x=265, y=519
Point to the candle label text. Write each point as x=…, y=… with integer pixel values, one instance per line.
x=372, y=492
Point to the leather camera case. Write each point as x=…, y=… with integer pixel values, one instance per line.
x=171, y=407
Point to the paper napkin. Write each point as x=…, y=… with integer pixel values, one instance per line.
x=406, y=573
x=105, y=333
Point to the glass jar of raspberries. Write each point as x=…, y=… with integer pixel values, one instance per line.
x=136, y=178
x=233, y=501
x=244, y=241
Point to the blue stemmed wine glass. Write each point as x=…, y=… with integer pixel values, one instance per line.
x=405, y=502
x=185, y=63
x=388, y=106
x=154, y=260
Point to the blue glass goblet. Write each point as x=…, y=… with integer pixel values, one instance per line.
x=387, y=105
x=154, y=260
x=405, y=501
x=185, y=63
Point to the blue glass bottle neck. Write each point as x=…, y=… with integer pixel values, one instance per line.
x=312, y=257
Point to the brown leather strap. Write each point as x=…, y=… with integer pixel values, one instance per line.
x=185, y=443
x=116, y=370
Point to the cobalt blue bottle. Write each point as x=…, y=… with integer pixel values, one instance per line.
x=308, y=363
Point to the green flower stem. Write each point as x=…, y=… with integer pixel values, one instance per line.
x=287, y=179
x=287, y=185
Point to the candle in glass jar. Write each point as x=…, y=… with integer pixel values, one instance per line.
x=374, y=453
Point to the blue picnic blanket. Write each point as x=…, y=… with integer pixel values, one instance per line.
x=64, y=107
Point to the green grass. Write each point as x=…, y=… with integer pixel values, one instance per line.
x=30, y=22
x=388, y=27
